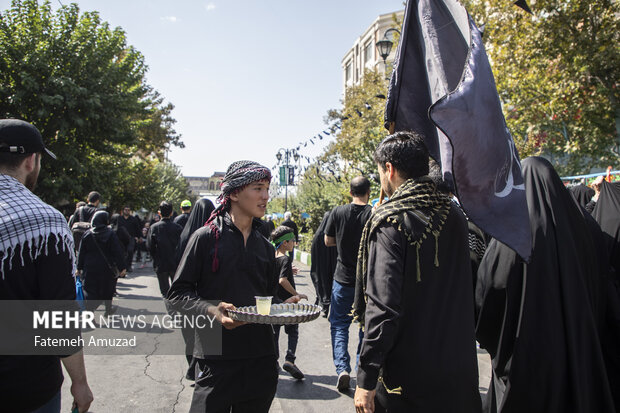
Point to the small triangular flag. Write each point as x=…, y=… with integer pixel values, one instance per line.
x=523, y=5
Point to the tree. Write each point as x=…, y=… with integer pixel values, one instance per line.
x=557, y=75
x=318, y=193
x=362, y=124
x=84, y=88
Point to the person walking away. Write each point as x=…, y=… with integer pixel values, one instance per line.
x=283, y=239
x=37, y=262
x=537, y=319
x=163, y=240
x=414, y=293
x=344, y=231
x=100, y=261
x=80, y=220
x=322, y=266
x=186, y=208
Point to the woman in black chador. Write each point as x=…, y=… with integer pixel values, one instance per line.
x=197, y=218
x=323, y=261
x=607, y=214
x=537, y=320
x=100, y=252
x=200, y=214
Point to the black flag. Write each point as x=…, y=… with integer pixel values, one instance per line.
x=442, y=86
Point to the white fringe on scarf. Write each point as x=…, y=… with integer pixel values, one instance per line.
x=27, y=222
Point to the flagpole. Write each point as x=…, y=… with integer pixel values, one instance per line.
x=381, y=193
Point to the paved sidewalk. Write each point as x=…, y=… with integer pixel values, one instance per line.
x=155, y=383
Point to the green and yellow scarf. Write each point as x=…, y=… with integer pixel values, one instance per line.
x=413, y=196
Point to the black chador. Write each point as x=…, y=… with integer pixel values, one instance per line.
x=323, y=260
x=607, y=214
x=537, y=320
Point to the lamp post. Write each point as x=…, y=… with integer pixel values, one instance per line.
x=288, y=153
x=385, y=46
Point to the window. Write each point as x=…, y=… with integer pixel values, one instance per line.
x=368, y=49
x=348, y=71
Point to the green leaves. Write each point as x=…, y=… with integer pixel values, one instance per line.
x=79, y=82
x=557, y=74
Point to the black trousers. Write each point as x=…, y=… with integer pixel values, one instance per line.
x=129, y=253
x=164, y=278
x=292, y=331
x=237, y=386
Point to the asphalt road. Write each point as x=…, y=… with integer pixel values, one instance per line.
x=150, y=382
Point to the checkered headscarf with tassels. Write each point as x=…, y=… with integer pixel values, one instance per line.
x=28, y=222
x=413, y=196
x=239, y=175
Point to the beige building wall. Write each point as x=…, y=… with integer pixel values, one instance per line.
x=206, y=186
x=364, y=54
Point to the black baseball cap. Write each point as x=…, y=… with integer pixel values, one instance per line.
x=20, y=137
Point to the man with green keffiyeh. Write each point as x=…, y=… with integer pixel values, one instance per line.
x=414, y=293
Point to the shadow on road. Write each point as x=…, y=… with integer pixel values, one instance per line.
x=311, y=388
x=125, y=286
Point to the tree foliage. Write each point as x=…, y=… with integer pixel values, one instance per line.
x=362, y=124
x=80, y=83
x=557, y=75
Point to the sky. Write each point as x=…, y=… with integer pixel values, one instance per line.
x=247, y=77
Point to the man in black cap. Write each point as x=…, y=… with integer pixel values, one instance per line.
x=37, y=262
x=229, y=261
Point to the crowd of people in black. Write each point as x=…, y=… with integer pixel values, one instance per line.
x=424, y=283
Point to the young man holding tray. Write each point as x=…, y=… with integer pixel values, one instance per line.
x=228, y=260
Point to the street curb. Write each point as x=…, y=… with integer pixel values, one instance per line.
x=303, y=257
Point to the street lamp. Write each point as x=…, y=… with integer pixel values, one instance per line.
x=385, y=46
x=288, y=153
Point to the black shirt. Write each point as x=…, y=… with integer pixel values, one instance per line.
x=284, y=269
x=83, y=214
x=28, y=382
x=346, y=223
x=163, y=240
x=132, y=225
x=182, y=219
x=420, y=334
x=244, y=271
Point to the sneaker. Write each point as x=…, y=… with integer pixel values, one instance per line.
x=293, y=370
x=343, y=382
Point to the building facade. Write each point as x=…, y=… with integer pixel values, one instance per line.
x=203, y=186
x=364, y=54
